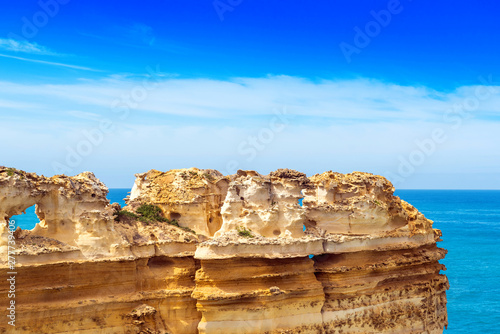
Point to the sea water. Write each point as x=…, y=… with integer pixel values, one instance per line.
x=470, y=221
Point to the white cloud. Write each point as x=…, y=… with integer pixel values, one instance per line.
x=50, y=63
x=343, y=100
x=10, y=44
x=343, y=125
x=32, y=48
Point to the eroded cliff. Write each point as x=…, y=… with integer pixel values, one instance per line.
x=195, y=251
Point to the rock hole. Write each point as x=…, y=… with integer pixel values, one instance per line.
x=309, y=224
x=93, y=195
x=27, y=220
x=242, y=198
x=175, y=215
x=276, y=232
x=301, y=198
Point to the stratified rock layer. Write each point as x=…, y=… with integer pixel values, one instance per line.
x=397, y=291
x=277, y=253
x=101, y=296
x=258, y=295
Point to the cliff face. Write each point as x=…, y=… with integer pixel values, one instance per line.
x=198, y=252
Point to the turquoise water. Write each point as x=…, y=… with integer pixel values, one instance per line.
x=470, y=221
x=118, y=196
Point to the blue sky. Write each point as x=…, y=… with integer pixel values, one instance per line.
x=405, y=89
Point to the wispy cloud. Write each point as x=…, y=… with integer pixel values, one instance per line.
x=83, y=68
x=361, y=100
x=10, y=44
x=343, y=100
x=84, y=115
x=343, y=125
x=19, y=105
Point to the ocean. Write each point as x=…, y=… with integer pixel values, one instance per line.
x=470, y=221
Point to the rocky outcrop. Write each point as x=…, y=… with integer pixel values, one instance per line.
x=191, y=196
x=72, y=210
x=267, y=205
x=198, y=252
x=88, y=266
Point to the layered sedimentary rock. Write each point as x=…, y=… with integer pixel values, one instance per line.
x=375, y=257
x=397, y=291
x=277, y=253
x=103, y=296
x=258, y=295
x=86, y=267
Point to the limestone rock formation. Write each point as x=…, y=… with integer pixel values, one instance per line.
x=73, y=210
x=87, y=266
x=198, y=252
x=191, y=196
x=269, y=205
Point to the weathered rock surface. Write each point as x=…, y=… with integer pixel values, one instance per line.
x=191, y=196
x=91, y=267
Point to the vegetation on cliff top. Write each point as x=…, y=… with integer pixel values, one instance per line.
x=147, y=214
x=244, y=232
x=12, y=171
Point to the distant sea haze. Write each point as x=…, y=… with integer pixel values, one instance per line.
x=470, y=222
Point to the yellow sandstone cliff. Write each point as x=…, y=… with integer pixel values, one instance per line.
x=195, y=251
